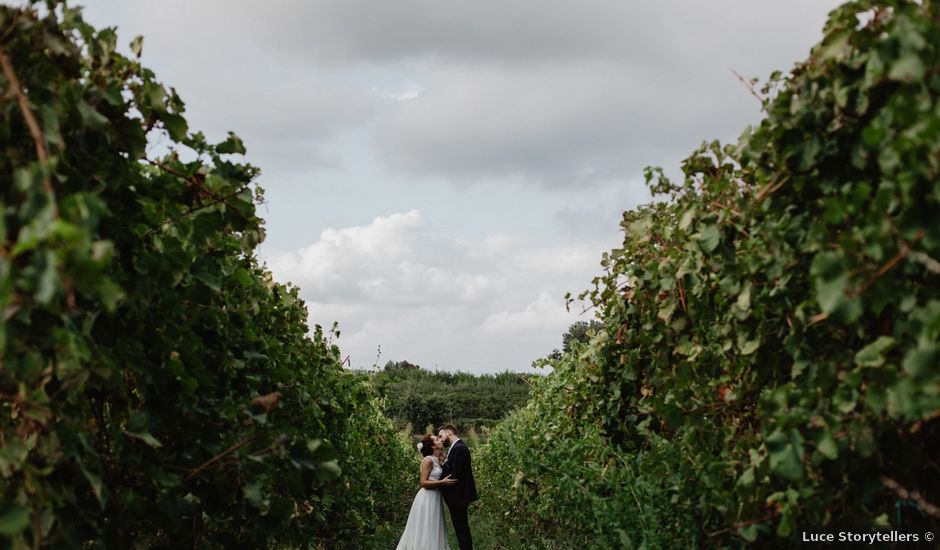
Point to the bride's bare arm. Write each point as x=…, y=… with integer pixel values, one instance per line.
x=426, y=483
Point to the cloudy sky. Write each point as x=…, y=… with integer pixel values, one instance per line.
x=439, y=173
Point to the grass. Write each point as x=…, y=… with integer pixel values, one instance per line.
x=387, y=537
x=484, y=530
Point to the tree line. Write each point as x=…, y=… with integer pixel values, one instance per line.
x=418, y=400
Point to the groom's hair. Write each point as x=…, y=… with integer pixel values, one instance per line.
x=447, y=427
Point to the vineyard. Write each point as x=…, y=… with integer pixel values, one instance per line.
x=158, y=388
x=770, y=352
x=764, y=355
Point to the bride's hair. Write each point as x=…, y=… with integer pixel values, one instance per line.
x=427, y=446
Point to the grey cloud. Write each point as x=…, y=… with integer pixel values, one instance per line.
x=284, y=108
x=559, y=126
x=511, y=31
x=597, y=215
x=517, y=31
x=290, y=118
x=552, y=92
x=635, y=86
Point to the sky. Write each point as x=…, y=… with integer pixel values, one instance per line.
x=439, y=173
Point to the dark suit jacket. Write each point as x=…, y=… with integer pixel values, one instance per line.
x=458, y=465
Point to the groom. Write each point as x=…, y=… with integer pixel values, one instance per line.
x=459, y=495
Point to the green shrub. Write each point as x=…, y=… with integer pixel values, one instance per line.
x=769, y=353
x=420, y=398
x=157, y=387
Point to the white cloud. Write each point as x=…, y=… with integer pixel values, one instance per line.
x=545, y=312
x=396, y=283
x=392, y=260
x=410, y=91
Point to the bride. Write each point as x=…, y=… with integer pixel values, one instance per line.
x=425, y=529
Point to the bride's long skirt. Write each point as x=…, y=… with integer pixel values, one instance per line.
x=425, y=529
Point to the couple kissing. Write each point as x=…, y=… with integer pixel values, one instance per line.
x=446, y=477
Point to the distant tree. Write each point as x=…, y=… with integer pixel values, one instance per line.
x=418, y=397
x=579, y=331
x=393, y=366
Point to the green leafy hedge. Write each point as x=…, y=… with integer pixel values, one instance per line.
x=419, y=398
x=157, y=387
x=769, y=358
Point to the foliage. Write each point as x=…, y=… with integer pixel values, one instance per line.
x=420, y=398
x=157, y=387
x=579, y=331
x=771, y=342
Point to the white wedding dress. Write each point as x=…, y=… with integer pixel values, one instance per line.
x=426, y=529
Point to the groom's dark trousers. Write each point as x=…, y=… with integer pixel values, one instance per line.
x=458, y=516
x=459, y=496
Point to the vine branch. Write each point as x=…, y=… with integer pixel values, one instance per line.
x=38, y=140
x=750, y=88
x=195, y=208
x=217, y=458
x=905, y=250
x=200, y=185
x=771, y=187
x=741, y=524
x=898, y=489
